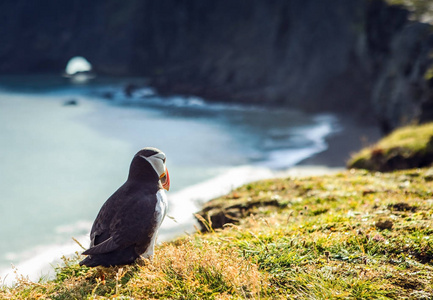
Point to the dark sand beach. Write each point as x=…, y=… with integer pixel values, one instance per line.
x=353, y=136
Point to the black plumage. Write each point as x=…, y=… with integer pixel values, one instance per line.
x=127, y=223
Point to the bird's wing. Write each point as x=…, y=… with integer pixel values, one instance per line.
x=125, y=219
x=100, y=232
x=104, y=247
x=135, y=222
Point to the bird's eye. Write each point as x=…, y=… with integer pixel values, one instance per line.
x=161, y=156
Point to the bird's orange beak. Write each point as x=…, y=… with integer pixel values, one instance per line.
x=165, y=180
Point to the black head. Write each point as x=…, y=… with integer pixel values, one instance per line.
x=149, y=164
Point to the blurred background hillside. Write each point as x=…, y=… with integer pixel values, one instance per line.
x=366, y=57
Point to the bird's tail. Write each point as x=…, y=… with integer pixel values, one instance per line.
x=89, y=262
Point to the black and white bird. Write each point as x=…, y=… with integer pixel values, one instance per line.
x=128, y=222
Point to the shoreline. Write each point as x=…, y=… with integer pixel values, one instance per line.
x=353, y=136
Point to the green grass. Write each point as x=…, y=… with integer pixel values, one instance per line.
x=407, y=147
x=325, y=243
x=324, y=240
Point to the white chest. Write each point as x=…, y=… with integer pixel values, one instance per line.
x=160, y=212
x=161, y=207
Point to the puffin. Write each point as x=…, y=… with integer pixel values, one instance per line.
x=127, y=224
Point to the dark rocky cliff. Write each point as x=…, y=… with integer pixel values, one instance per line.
x=359, y=56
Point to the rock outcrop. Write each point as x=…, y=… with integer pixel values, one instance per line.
x=360, y=56
x=403, y=90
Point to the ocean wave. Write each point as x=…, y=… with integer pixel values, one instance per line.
x=311, y=140
x=39, y=262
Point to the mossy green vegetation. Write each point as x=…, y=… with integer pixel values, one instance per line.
x=354, y=235
x=406, y=147
x=421, y=9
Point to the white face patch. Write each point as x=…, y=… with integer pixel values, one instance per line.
x=157, y=162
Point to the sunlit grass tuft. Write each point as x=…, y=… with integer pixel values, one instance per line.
x=194, y=269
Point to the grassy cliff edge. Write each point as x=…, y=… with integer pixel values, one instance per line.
x=355, y=235
x=405, y=148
